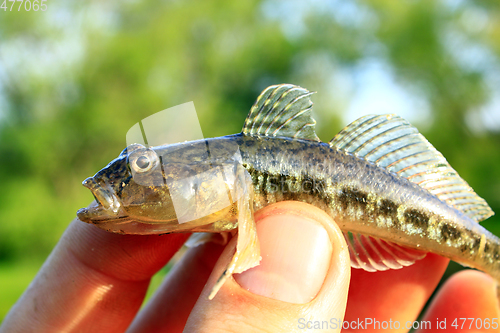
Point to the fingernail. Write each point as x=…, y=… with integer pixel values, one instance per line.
x=296, y=253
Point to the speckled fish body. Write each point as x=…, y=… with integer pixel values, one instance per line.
x=386, y=187
x=365, y=199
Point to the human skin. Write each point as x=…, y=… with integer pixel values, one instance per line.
x=95, y=281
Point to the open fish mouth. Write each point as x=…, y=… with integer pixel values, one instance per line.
x=107, y=206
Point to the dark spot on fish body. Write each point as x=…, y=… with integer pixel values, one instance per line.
x=476, y=244
x=470, y=242
x=291, y=196
x=349, y=167
x=387, y=209
x=310, y=157
x=318, y=187
x=416, y=218
x=292, y=186
x=273, y=183
x=487, y=248
x=307, y=185
x=352, y=197
x=471, y=245
x=344, y=199
x=273, y=164
x=449, y=232
x=492, y=250
x=313, y=162
x=327, y=198
x=265, y=184
x=263, y=180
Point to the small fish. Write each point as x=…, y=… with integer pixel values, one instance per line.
x=392, y=193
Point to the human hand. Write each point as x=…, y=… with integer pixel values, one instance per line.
x=96, y=281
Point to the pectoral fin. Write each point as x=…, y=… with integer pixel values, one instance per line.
x=247, y=253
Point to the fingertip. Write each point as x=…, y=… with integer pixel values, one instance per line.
x=296, y=253
x=466, y=294
x=303, y=252
x=305, y=271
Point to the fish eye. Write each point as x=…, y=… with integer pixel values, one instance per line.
x=143, y=160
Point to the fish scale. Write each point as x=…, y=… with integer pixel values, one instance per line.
x=394, y=196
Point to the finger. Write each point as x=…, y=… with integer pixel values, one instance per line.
x=93, y=280
x=467, y=300
x=172, y=303
x=304, y=274
x=393, y=298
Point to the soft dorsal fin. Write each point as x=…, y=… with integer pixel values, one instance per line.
x=282, y=110
x=391, y=142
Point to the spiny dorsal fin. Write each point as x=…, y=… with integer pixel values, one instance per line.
x=282, y=110
x=391, y=142
x=373, y=254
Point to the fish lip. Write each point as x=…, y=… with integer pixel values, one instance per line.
x=107, y=206
x=103, y=194
x=97, y=214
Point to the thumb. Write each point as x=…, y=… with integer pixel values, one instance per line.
x=302, y=280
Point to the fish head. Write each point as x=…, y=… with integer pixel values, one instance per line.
x=179, y=187
x=130, y=188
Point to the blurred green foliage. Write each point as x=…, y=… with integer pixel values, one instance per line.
x=75, y=78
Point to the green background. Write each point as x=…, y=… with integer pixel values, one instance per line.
x=75, y=78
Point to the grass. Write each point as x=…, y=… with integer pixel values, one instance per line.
x=14, y=279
